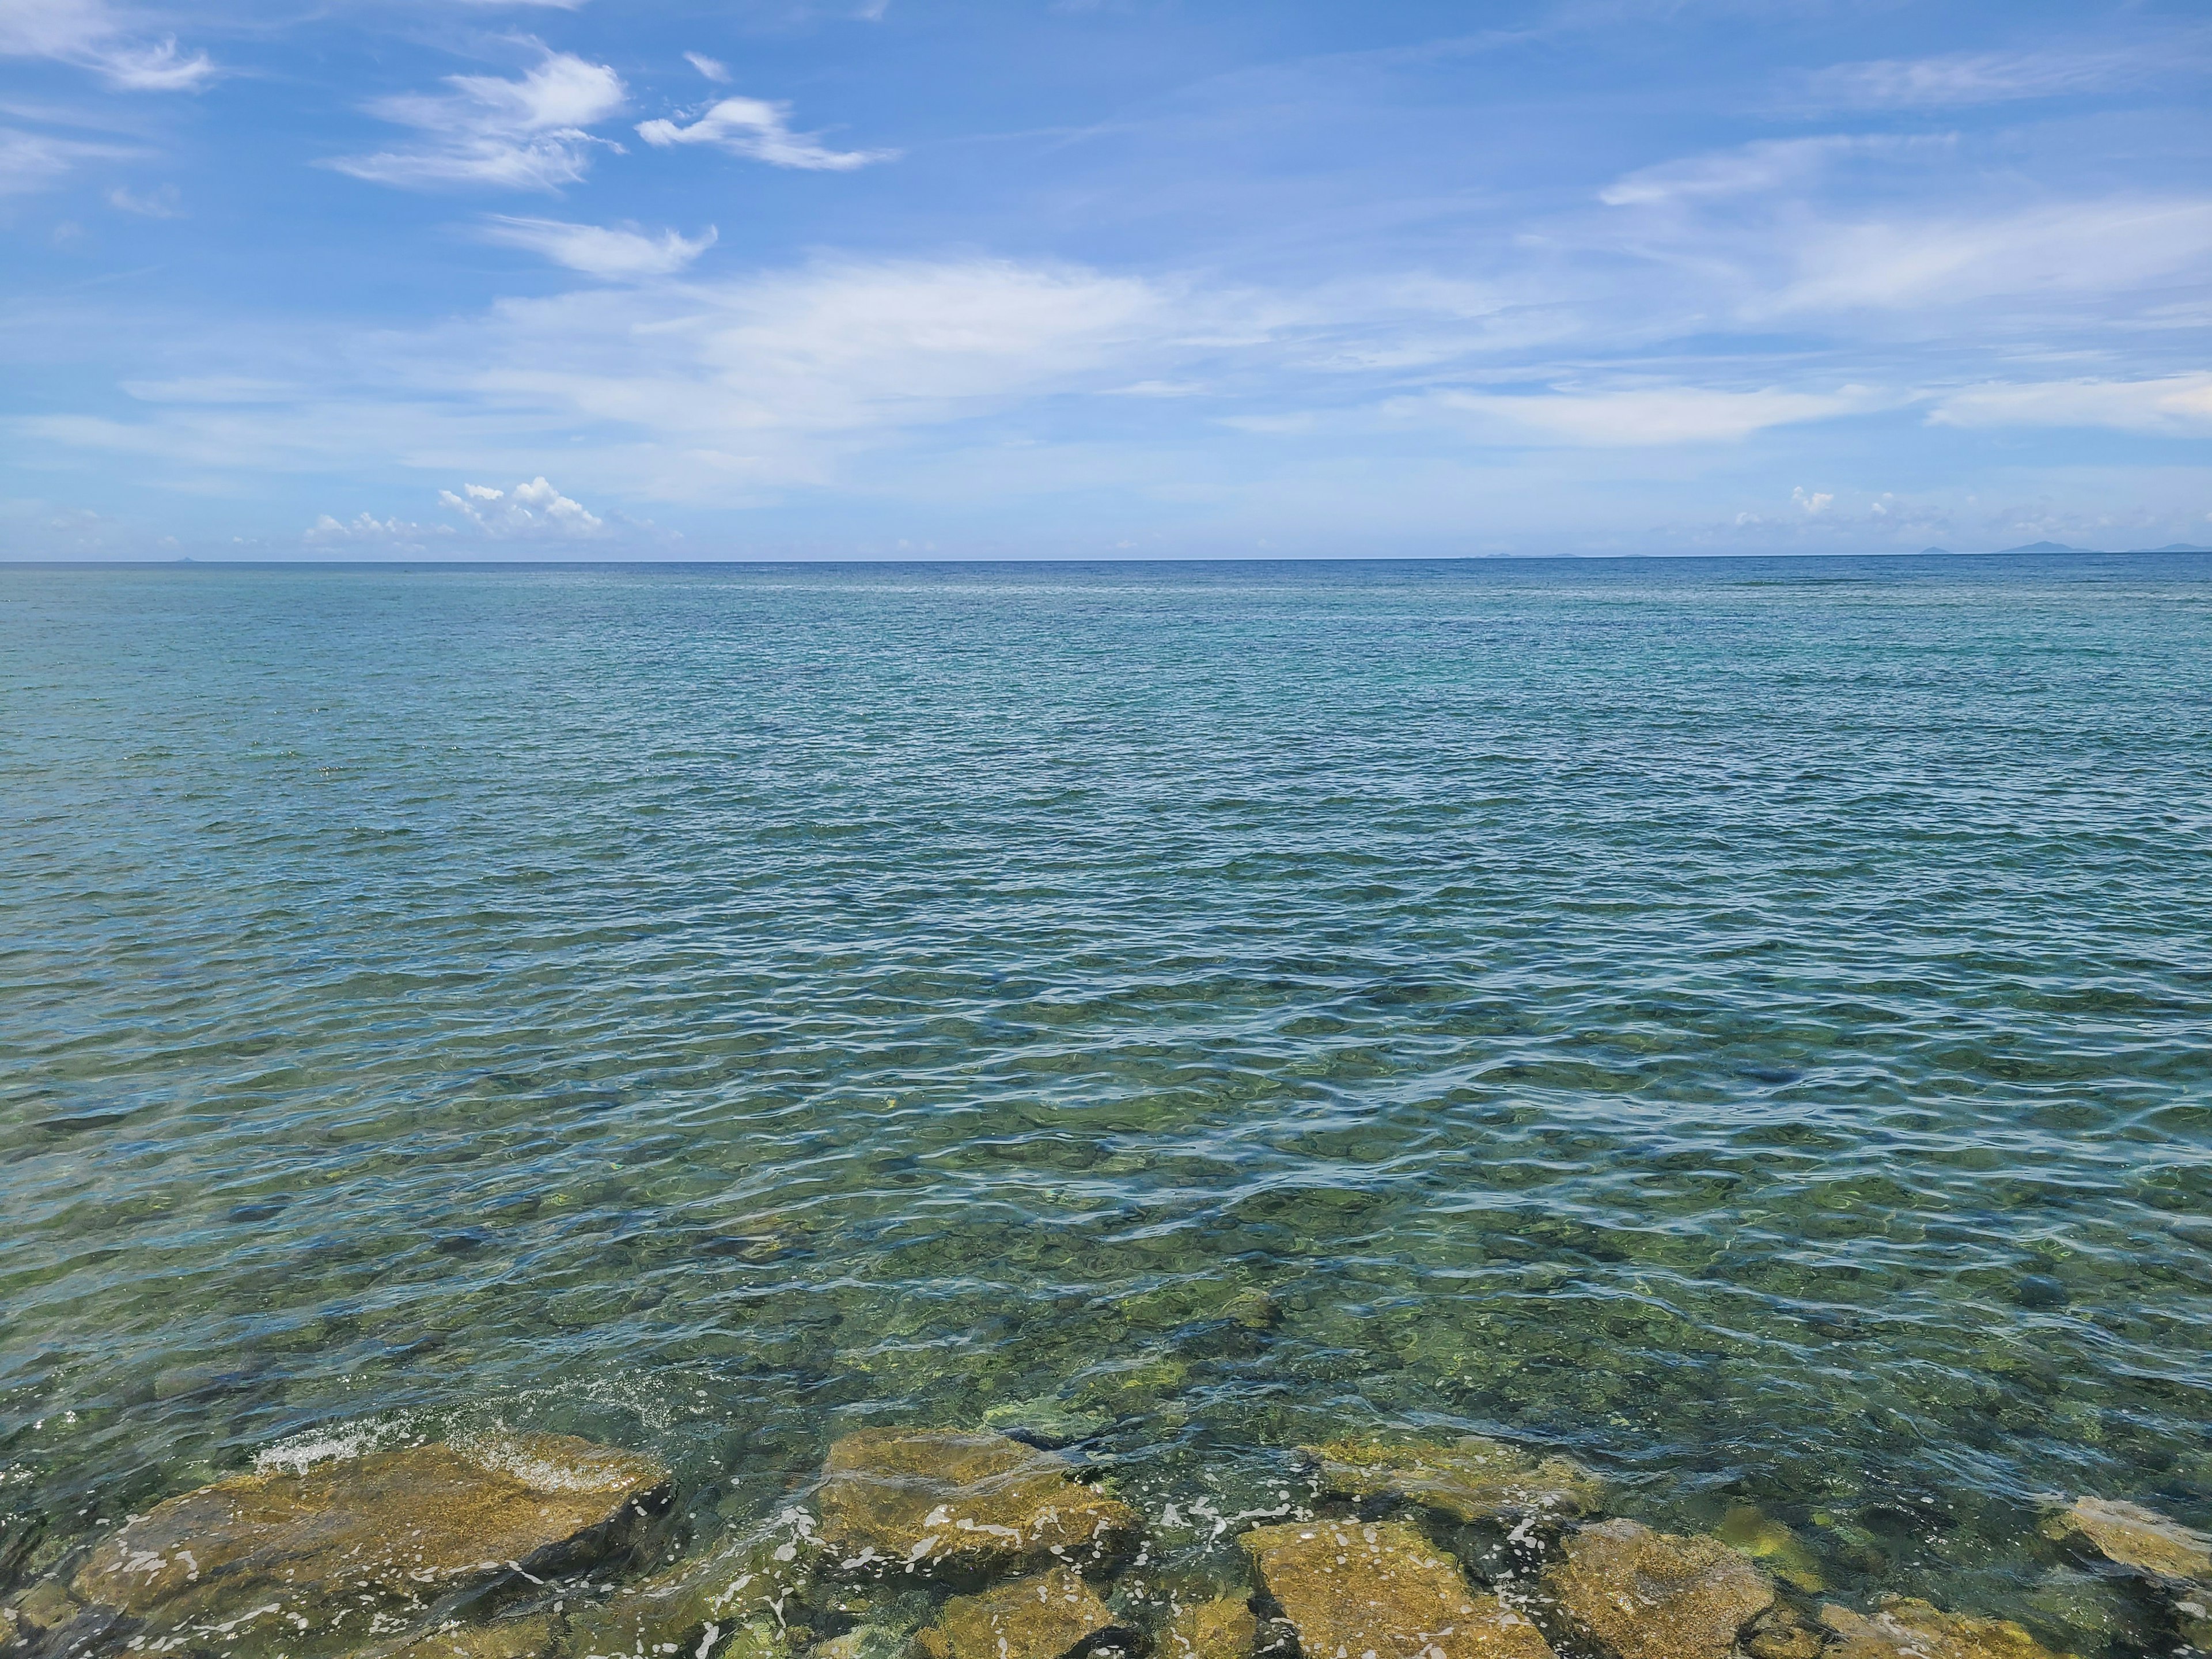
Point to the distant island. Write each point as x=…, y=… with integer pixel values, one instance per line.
x=2063, y=547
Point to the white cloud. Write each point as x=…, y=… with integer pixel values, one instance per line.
x=163, y=203
x=90, y=35
x=712, y=68
x=754, y=127
x=368, y=529
x=2076, y=246
x=1637, y=417
x=530, y=511
x=1765, y=166
x=599, y=250
x=2177, y=406
x=33, y=160
x=529, y=133
x=1962, y=78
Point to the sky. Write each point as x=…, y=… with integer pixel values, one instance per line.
x=355, y=279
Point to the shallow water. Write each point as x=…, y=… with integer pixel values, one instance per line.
x=1743, y=1023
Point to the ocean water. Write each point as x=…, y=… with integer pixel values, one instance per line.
x=1745, y=1024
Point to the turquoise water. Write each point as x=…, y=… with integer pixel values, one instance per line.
x=1746, y=1024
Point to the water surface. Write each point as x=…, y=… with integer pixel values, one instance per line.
x=1742, y=1023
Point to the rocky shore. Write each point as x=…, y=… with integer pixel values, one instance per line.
x=946, y=1544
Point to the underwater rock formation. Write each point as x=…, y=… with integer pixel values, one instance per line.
x=367, y=1544
x=928, y=1500
x=2140, y=1539
x=1470, y=1479
x=1904, y=1628
x=1221, y=1629
x=1358, y=1588
x=1046, y=1617
x=1650, y=1594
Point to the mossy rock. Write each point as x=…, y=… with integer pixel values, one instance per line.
x=2141, y=1541
x=1470, y=1479
x=937, y=1500
x=1379, y=1587
x=1046, y=1617
x=1904, y=1628
x=1648, y=1594
x=363, y=1547
x=1221, y=1629
x=705, y=1604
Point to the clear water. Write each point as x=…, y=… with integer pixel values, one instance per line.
x=1748, y=1024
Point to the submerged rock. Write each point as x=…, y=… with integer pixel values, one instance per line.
x=1356, y=1588
x=1223, y=1629
x=506, y=1639
x=1782, y=1552
x=2140, y=1540
x=1470, y=1479
x=1046, y=1617
x=1652, y=1595
x=367, y=1543
x=1781, y=1632
x=1904, y=1628
x=929, y=1499
x=702, y=1607
x=1047, y=1420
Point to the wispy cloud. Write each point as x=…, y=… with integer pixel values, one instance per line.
x=35, y=160
x=91, y=35
x=1985, y=77
x=712, y=68
x=1636, y=418
x=165, y=202
x=529, y=133
x=2077, y=247
x=2177, y=406
x=759, y=130
x=600, y=251
x=1769, y=164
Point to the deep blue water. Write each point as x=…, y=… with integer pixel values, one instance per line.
x=1746, y=1023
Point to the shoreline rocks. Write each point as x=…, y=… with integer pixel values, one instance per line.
x=1046, y=1617
x=1471, y=1479
x=374, y=1542
x=1380, y=1588
x=1904, y=1628
x=942, y=1500
x=2140, y=1540
x=1648, y=1594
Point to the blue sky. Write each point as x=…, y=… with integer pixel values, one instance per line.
x=467, y=279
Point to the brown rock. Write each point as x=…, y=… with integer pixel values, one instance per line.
x=1781, y=1634
x=1046, y=1617
x=742, y=1583
x=1906, y=1629
x=367, y=1542
x=1213, y=1630
x=938, y=1498
x=1354, y=1589
x=507, y=1638
x=1471, y=1478
x=1650, y=1594
x=2141, y=1540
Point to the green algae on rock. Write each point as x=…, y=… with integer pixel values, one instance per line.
x=930, y=1499
x=1903, y=1627
x=1221, y=1629
x=2143, y=1541
x=696, y=1604
x=366, y=1544
x=1747, y=1527
x=1649, y=1594
x=1354, y=1589
x=505, y=1639
x=1470, y=1479
x=1046, y=1617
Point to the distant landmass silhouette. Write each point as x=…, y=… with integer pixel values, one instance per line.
x=2064, y=547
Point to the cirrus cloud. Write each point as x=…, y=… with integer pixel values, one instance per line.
x=761, y=130
x=529, y=133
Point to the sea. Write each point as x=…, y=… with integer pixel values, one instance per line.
x=1744, y=1024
